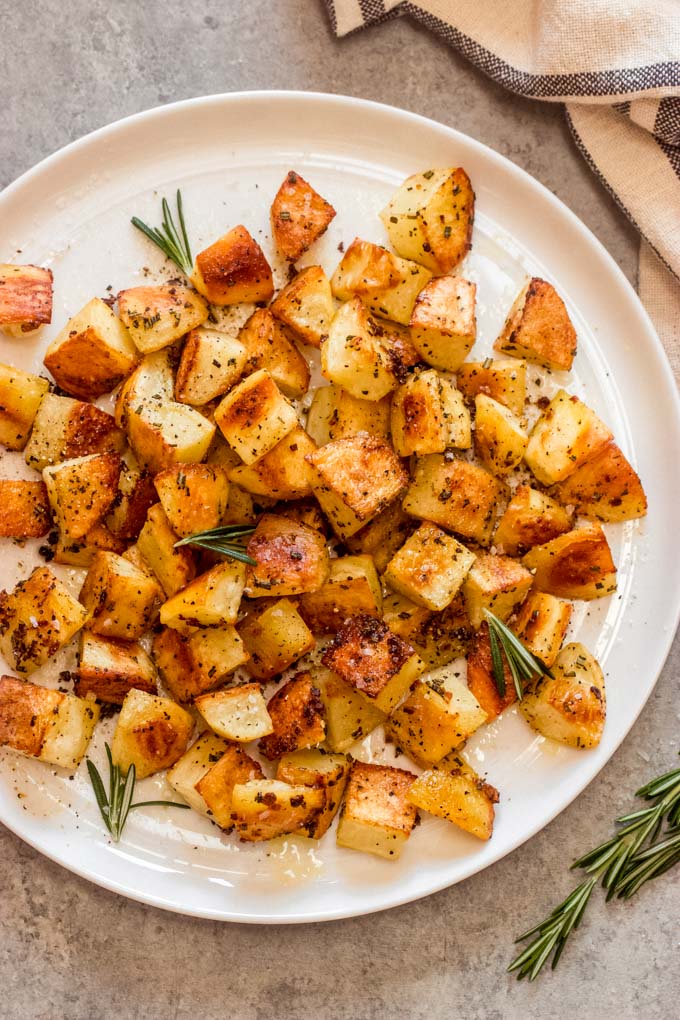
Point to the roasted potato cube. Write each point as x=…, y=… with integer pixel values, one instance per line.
x=195, y=764
x=531, y=518
x=457, y=422
x=210, y=601
x=37, y=618
x=237, y=713
x=275, y=636
x=92, y=353
x=304, y=511
x=135, y=496
x=283, y=473
x=24, y=509
x=255, y=416
x=323, y=771
x=480, y=678
x=417, y=416
x=268, y=346
x=430, y=567
x=336, y=414
x=191, y=664
x=121, y=600
x=355, y=479
x=576, y=565
x=290, y=558
x=455, y=792
x=266, y=808
x=397, y=339
x=538, y=328
x=373, y=660
x=217, y=784
x=383, y=535
x=500, y=440
x=352, y=588
x=297, y=715
x=20, y=396
x=438, y=638
x=349, y=715
x=564, y=437
x=109, y=669
x=387, y=284
x=605, y=487
x=66, y=428
x=443, y=322
x=157, y=316
x=354, y=356
x=455, y=494
x=81, y=491
x=429, y=218
x=306, y=305
x=541, y=625
x=211, y=363
x=193, y=496
x=45, y=724
x=570, y=706
x=81, y=551
x=233, y=270
x=299, y=216
x=437, y=717
x=152, y=733
x=173, y=567
x=496, y=583
x=505, y=381
x=25, y=298
x=376, y=815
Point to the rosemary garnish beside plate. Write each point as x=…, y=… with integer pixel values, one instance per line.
x=227, y=540
x=115, y=806
x=522, y=664
x=173, y=242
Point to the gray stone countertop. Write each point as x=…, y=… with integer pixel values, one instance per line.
x=70, y=950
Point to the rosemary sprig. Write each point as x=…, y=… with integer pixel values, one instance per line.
x=622, y=866
x=523, y=665
x=227, y=540
x=116, y=806
x=172, y=242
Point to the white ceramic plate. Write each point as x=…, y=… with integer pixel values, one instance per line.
x=229, y=154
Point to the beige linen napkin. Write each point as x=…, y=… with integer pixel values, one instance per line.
x=615, y=64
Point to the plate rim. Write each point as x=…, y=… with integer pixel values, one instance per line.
x=662, y=367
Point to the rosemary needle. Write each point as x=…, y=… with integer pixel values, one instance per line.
x=173, y=242
x=522, y=664
x=227, y=540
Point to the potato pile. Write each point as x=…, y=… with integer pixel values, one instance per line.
x=412, y=497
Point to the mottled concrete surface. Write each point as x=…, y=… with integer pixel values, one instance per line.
x=71, y=950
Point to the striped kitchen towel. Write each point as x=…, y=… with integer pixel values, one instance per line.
x=615, y=64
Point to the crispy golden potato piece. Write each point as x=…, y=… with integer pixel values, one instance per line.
x=297, y=715
x=266, y=808
x=275, y=636
x=503, y=380
x=459, y=496
x=211, y=363
x=376, y=815
x=430, y=567
x=92, y=353
x=283, y=473
x=25, y=298
x=457, y=421
x=566, y=436
x=20, y=397
x=109, y=669
x=530, y=518
x=24, y=509
x=336, y=414
x=81, y=492
x=121, y=599
x=152, y=733
x=173, y=567
x=236, y=713
x=135, y=496
x=443, y=322
x=417, y=416
x=538, y=328
x=37, y=618
x=576, y=565
x=193, y=496
x=373, y=660
x=233, y=270
x=306, y=305
x=81, y=551
x=210, y=601
x=570, y=706
x=157, y=316
x=191, y=664
x=269, y=346
x=255, y=416
x=216, y=786
x=500, y=439
x=290, y=558
x=64, y=429
x=541, y=625
x=354, y=356
x=438, y=638
x=606, y=487
x=387, y=284
x=496, y=583
x=480, y=678
x=299, y=216
x=45, y=724
x=429, y=218
x=196, y=763
x=355, y=479
x=455, y=792
x=349, y=715
x=353, y=588
x=383, y=535
x=322, y=771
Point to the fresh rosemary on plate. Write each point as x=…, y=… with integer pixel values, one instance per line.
x=523, y=665
x=172, y=242
x=622, y=865
x=117, y=804
x=227, y=540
